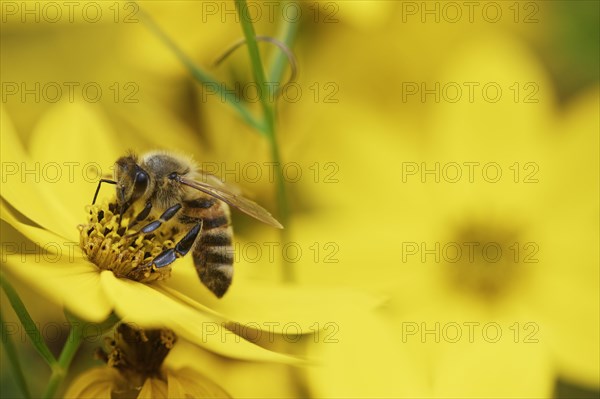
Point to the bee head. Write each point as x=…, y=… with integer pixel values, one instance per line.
x=132, y=181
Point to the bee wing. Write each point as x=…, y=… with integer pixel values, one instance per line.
x=214, y=181
x=243, y=204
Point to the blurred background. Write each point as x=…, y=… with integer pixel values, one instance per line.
x=440, y=158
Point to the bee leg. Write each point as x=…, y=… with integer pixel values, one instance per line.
x=168, y=214
x=184, y=245
x=142, y=215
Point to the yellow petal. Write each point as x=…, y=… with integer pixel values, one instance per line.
x=365, y=358
x=174, y=387
x=180, y=23
x=148, y=126
x=75, y=143
x=502, y=369
x=187, y=383
x=20, y=183
x=239, y=378
x=575, y=167
x=502, y=119
x=272, y=307
x=154, y=388
x=66, y=279
x=567, y=292
x=149, y=308
x=43, y=238
x=94, y=383
x=364, y=14
x=567, y=286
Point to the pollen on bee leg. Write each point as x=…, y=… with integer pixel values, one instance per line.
x=107, y=243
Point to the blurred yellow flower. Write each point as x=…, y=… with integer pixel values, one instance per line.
x=500, y=267
x=387, y=201
x=135, y=369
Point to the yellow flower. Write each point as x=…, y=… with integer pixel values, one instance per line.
x=135, y=370
x=46, y=208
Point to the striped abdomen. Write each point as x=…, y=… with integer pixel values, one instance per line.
x=212, y=252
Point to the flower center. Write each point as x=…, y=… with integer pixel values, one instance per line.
x=137, y=354
x=486, y=262
x=109, y=244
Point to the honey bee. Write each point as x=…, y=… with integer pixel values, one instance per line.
x=165, y=187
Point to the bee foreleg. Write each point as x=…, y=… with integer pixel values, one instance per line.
x=142, y=215
x=167, y=215
x=98, y=188
x=184, y=245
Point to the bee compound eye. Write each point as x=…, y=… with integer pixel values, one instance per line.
x=141, y=178
x=140, y=184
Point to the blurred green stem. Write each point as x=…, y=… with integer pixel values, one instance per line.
x=60, y=369
x=287, y=35
x=269, y=120
x=13, y=359
x=203, y=77
x=28, y=324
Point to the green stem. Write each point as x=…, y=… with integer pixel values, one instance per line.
x=27, y=322
x=13, y=359
x=287, y=35
x=201, y=76
x=59, y=371
x=257, y=66
x=269, y=117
